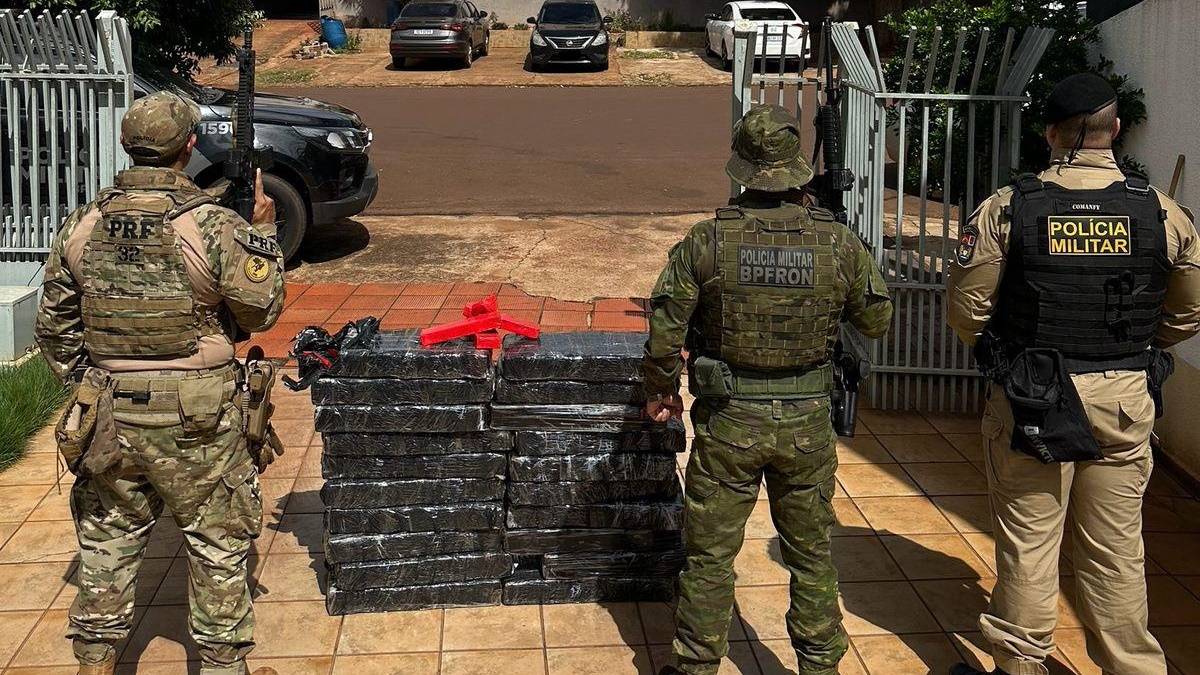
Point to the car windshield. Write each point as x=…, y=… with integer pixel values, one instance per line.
x=563, y=12
x=430, y=9
x=159, y=80
x=768, y=14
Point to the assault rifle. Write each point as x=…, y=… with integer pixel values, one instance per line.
x=850, y=364
x=244, y=160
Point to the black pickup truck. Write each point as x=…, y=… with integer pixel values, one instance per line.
x=321, y=172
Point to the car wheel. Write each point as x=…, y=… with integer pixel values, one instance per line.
x=398, y=62
x=708, y=50
x=726, y=61
x=291, y=214
x=487, y=43
x=469, y=57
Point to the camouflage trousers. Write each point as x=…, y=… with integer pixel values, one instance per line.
x=182, y=448
x=737, y=443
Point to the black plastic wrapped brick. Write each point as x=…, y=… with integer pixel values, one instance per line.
x=466, y=594
x=392, y=391
x=369, y=494
x=404, y=445
x=467, y=517
x=669, y=437
x=580, y=357
x=554, y=494
x=399, y=354
x=597, y=516
x=421, y=571
x=342, y=548
x=437, y=419
x=531, y=542
x=571, y=468
x=529, y=590
x=599, y=418
x=480, y=465
x=628, y=565
x=552, y=392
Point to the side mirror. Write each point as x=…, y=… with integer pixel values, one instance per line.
x=710, y=17
x=608, y=19
x=482, y=15
x=531, y=20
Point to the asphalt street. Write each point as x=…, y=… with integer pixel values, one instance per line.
x=537, y=151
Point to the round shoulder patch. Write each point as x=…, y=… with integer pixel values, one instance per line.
x=257, y=269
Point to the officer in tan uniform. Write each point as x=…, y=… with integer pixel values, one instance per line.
x=143, y=291
x=1087, y=272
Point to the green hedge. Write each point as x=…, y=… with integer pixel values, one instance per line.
x=29, y=397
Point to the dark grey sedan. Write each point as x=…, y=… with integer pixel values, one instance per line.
x=440, y=29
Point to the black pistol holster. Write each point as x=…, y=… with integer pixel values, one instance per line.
x=1162, y=365
x=1049, y=422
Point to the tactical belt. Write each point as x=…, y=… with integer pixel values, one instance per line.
x=1140, y=361
x=158, y=389
x=777, y=385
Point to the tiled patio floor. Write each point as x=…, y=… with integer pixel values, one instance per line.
x=421, y=305
x=912, y=546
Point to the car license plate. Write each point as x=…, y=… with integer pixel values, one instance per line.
x=423, y=31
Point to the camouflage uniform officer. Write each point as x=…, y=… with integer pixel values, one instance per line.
x=756, y=294
x=1100, y=267
x=143, y=291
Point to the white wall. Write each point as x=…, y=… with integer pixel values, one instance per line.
x=1154, y=42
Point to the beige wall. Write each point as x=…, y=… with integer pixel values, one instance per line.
x=1155, y=44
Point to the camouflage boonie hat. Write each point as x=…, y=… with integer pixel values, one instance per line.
x=767, y=154
x=158, y=126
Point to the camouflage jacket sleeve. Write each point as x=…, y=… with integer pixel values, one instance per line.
x=868, y=303
x=59, y=329
x=672, y=304
x=248, y=266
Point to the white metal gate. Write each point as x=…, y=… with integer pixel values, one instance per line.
x=911, y=229
x=65, y=83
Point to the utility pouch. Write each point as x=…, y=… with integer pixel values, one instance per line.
x=201, y=401
x=77, y=425
x=713, y=378
x=1162, y=365
x=1050, y=423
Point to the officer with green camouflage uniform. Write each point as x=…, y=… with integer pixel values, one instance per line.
x=756, y=295
x=144, y=290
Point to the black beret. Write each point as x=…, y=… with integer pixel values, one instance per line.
x=1078, y=94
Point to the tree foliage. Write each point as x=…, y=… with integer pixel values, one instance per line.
x=172, y=34
x=1068, y=53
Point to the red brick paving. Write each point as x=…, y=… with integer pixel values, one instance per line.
x=425, y=304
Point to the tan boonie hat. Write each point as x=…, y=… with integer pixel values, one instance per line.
x=767, y=154
x=158, y=126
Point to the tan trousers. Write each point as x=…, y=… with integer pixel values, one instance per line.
x=1032, y=501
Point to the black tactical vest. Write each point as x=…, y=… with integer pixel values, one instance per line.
x=1086, y=272
x=780, y=292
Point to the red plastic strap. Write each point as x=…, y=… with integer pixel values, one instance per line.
x=451, y=331
x=483, y=321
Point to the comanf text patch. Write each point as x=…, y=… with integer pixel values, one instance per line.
x=782, y=266
x=1090, y=235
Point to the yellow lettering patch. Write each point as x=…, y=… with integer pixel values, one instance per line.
x=1090, y=235
x=257, y=269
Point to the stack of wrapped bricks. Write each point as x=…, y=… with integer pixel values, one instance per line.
x=414, y=491
x=593, y=493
